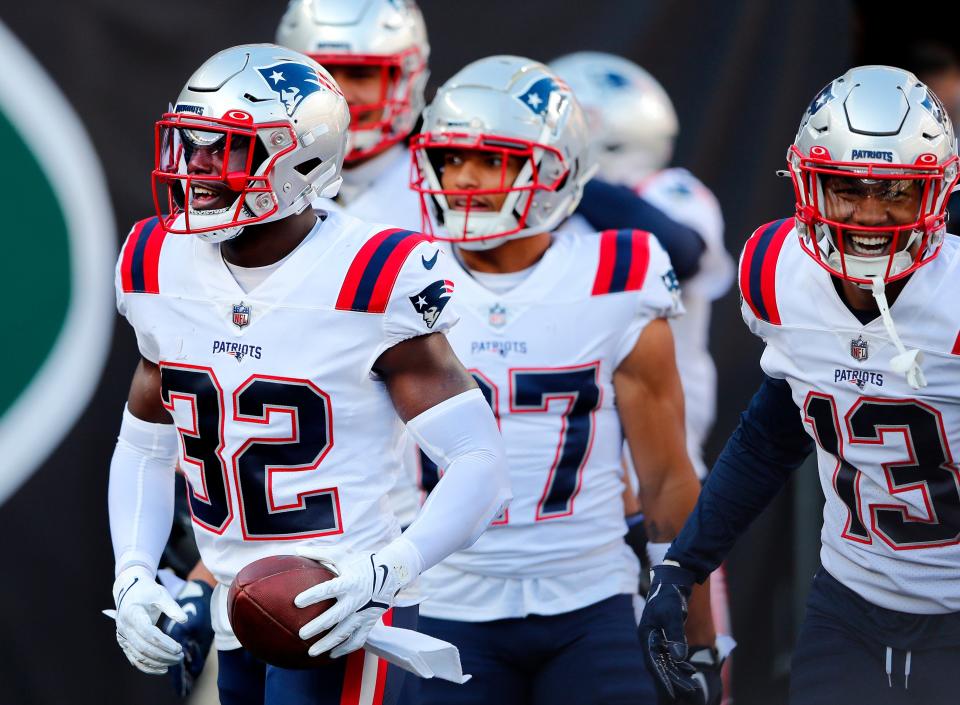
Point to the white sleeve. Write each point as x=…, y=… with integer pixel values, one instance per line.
x=658, y=298
x=141, y=493
x=461, y=436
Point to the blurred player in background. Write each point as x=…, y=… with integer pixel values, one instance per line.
x=567, y=336
x=938, y=66
x=855, y=300
x=377, y=51
x=634, y=129
x=279, y=346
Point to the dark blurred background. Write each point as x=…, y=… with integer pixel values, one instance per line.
x=740, y=74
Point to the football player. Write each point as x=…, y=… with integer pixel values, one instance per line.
x=852, y=297
x=278, y=348
x=378, y=52
x=567, y=336
x=634, y=128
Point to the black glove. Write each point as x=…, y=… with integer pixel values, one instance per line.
x=663, y=639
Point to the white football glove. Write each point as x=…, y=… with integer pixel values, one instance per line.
x=365, y=587
x=140, y=601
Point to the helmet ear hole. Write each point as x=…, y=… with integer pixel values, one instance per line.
x=566, y=176
x=307, y=167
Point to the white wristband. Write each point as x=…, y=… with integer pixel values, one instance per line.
x=657, y=552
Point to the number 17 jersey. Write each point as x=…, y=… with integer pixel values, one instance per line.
x=544, y=354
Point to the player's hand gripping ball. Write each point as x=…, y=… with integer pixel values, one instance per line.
x=263, y=616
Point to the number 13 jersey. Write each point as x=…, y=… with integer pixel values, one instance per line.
x=285, y=435
x=544, y=354
x=891, y=522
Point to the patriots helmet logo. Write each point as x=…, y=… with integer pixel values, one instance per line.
x=537, y=96
x=933, y=105
x=293, y=82
x=821, y=99
x=615, y=80
x=430, y=302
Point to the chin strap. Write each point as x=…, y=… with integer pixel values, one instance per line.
x=906, y=362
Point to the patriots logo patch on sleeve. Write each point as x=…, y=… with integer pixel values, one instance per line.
x=430, y=302
x=672, y=284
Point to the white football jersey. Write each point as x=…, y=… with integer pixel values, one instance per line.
x=286, y=435
x=682, y=196
x=378, y=191
x=891, y=522
x=544, y=354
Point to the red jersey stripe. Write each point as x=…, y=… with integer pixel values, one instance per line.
x=640, y=261
x=351, y=282
x=126, y=263
x=151, y=259
x=608, y=257
x=768, y=275
x=390, y=271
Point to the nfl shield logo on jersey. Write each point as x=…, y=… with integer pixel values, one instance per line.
x=498, y=316
x=859, y=349
x=241, y=315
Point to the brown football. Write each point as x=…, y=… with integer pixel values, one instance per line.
x=263, y=616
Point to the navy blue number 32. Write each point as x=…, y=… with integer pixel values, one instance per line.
x=253, y=467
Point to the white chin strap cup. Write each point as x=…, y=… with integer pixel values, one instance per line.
x=906, y=362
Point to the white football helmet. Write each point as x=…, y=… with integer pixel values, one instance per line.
x=882, y=125
x=631, y=117
x=389, y=34
x=270, y=128
x=513, y=107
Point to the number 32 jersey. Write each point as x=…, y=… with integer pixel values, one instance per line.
x=544, y=353
x=886, y=452
x=285, y=435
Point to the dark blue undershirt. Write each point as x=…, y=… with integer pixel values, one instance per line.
x=611, y=207
x=768, y=445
